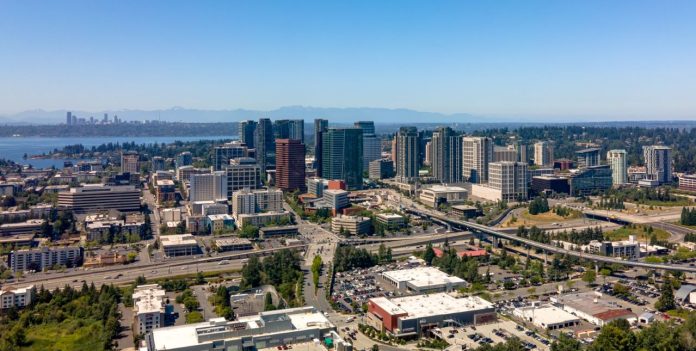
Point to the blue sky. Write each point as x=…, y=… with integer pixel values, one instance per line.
x=516, y=58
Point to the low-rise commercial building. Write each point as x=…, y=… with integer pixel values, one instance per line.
x=220, y=223
x=265, y=330
x=590, y=180
x=423, y=280
x=629, y=249
x=148, y=308
x=93, y=197
x=547, y=317
x=391, y=221
x=549, y=184
x=440, y=194
x=179, y=245
x=32, y=226
x=414, y=315
x=274, y=232
x=354, y=225
x=16, y=297
x=233, y=244
x=687, y=182
x=592, y=307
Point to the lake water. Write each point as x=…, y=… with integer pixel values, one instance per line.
x=12, y=148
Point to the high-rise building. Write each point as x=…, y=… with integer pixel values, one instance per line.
x=342, y=156
x=446, y=155
x=477, y=153
x=393, y=149
x=505, y=153
x=381, y=169
x=589, y=180
x=290, y=165
x=619, y=167
x=224, y=153
x=242, y=173
x=296, y=129
x=588, y=157
x=428, y=153
x=658, y=163
x=320, y=126
x=130, y=162
x=543, y=153
x=510, y=178
x=281, y=129
x=183, y=159
x=248, y=201
x=157, y=164
x=407, y=154
x=247, y=132
x=522, y=152
x=368, y=127
x=264, y=141
x=208, y=187
x=372, y=146
x=68, y=118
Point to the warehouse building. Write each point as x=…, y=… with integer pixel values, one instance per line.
x=412, y=316
x=547, y=317
x=266, y=330
x=592, y=308
x=423, y=280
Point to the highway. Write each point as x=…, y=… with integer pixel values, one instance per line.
x=550, y=248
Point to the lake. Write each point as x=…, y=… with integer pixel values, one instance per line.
x=14, y=148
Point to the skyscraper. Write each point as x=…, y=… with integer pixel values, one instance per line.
x=265, y=144
x=407, y=154
x=658, y=163
x=242, y=173
x=290, y=165
x=446, y=155
x=619, y=167
x=342, y=156
x=130, y=162
x=183, y=159
x=68, y=118
x=296, y=129
x=224, y=153
x=588, y=157
x=372, y=146
x=208, y=187
x=320, y=126
x=368, y=127
x=477, y=153
x=543, y=153
x=281, y=129
x=247, y=130
x=428, y=153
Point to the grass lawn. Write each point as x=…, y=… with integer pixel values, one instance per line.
x=680, y=313
x=70, y=335
x=528, y=219
x=640, y=232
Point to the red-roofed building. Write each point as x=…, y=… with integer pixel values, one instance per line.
x=473, y=253
x=612, y=315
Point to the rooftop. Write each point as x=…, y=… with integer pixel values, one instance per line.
x=420, y=306
x=547, y=315
x=148, y=298
x=444, y=188
x=178, y=239
x=423, y=276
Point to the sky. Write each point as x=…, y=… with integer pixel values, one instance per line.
x=619, y=59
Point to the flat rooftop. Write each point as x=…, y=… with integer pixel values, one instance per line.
x=178, y=239
x=547, y=315
x=423, y=276
x=445, y=189
x=232, y=241
x=390, y=216
x=420, y=306
x=589, y=303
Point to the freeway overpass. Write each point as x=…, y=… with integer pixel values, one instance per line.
x=549, y=248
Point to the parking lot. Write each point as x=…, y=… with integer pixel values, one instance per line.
x=493, y=333
x=353, y=288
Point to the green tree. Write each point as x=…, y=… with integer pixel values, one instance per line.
x=429, y=254
x=666, y=300
x=615, y=336
x=566, y=343
x=589, y=277
x=251, y=273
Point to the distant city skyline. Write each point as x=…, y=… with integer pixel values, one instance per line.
x=532, y=60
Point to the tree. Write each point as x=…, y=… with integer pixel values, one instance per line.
x=429, y=254
x=251, y=272
x=566, y=343
x=249, y=232
x=615, y=336
x=194, y=317
x=268, y=302
x=589, y=276
x=666, y=300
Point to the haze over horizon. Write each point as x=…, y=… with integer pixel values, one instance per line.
x=533, y=61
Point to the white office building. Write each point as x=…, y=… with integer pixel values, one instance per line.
x=423, y=280
x=208, y=187
x=619, y=167
x=16, y=297
x=477, y=153
x=507, y=182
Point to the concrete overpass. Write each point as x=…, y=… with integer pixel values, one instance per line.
x=548, y=248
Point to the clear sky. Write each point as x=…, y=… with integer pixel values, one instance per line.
x=527, y=58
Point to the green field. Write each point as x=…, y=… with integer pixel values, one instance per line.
x=640, y=232
x=69, y=335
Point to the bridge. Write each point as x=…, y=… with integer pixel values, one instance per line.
x=474, y=227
